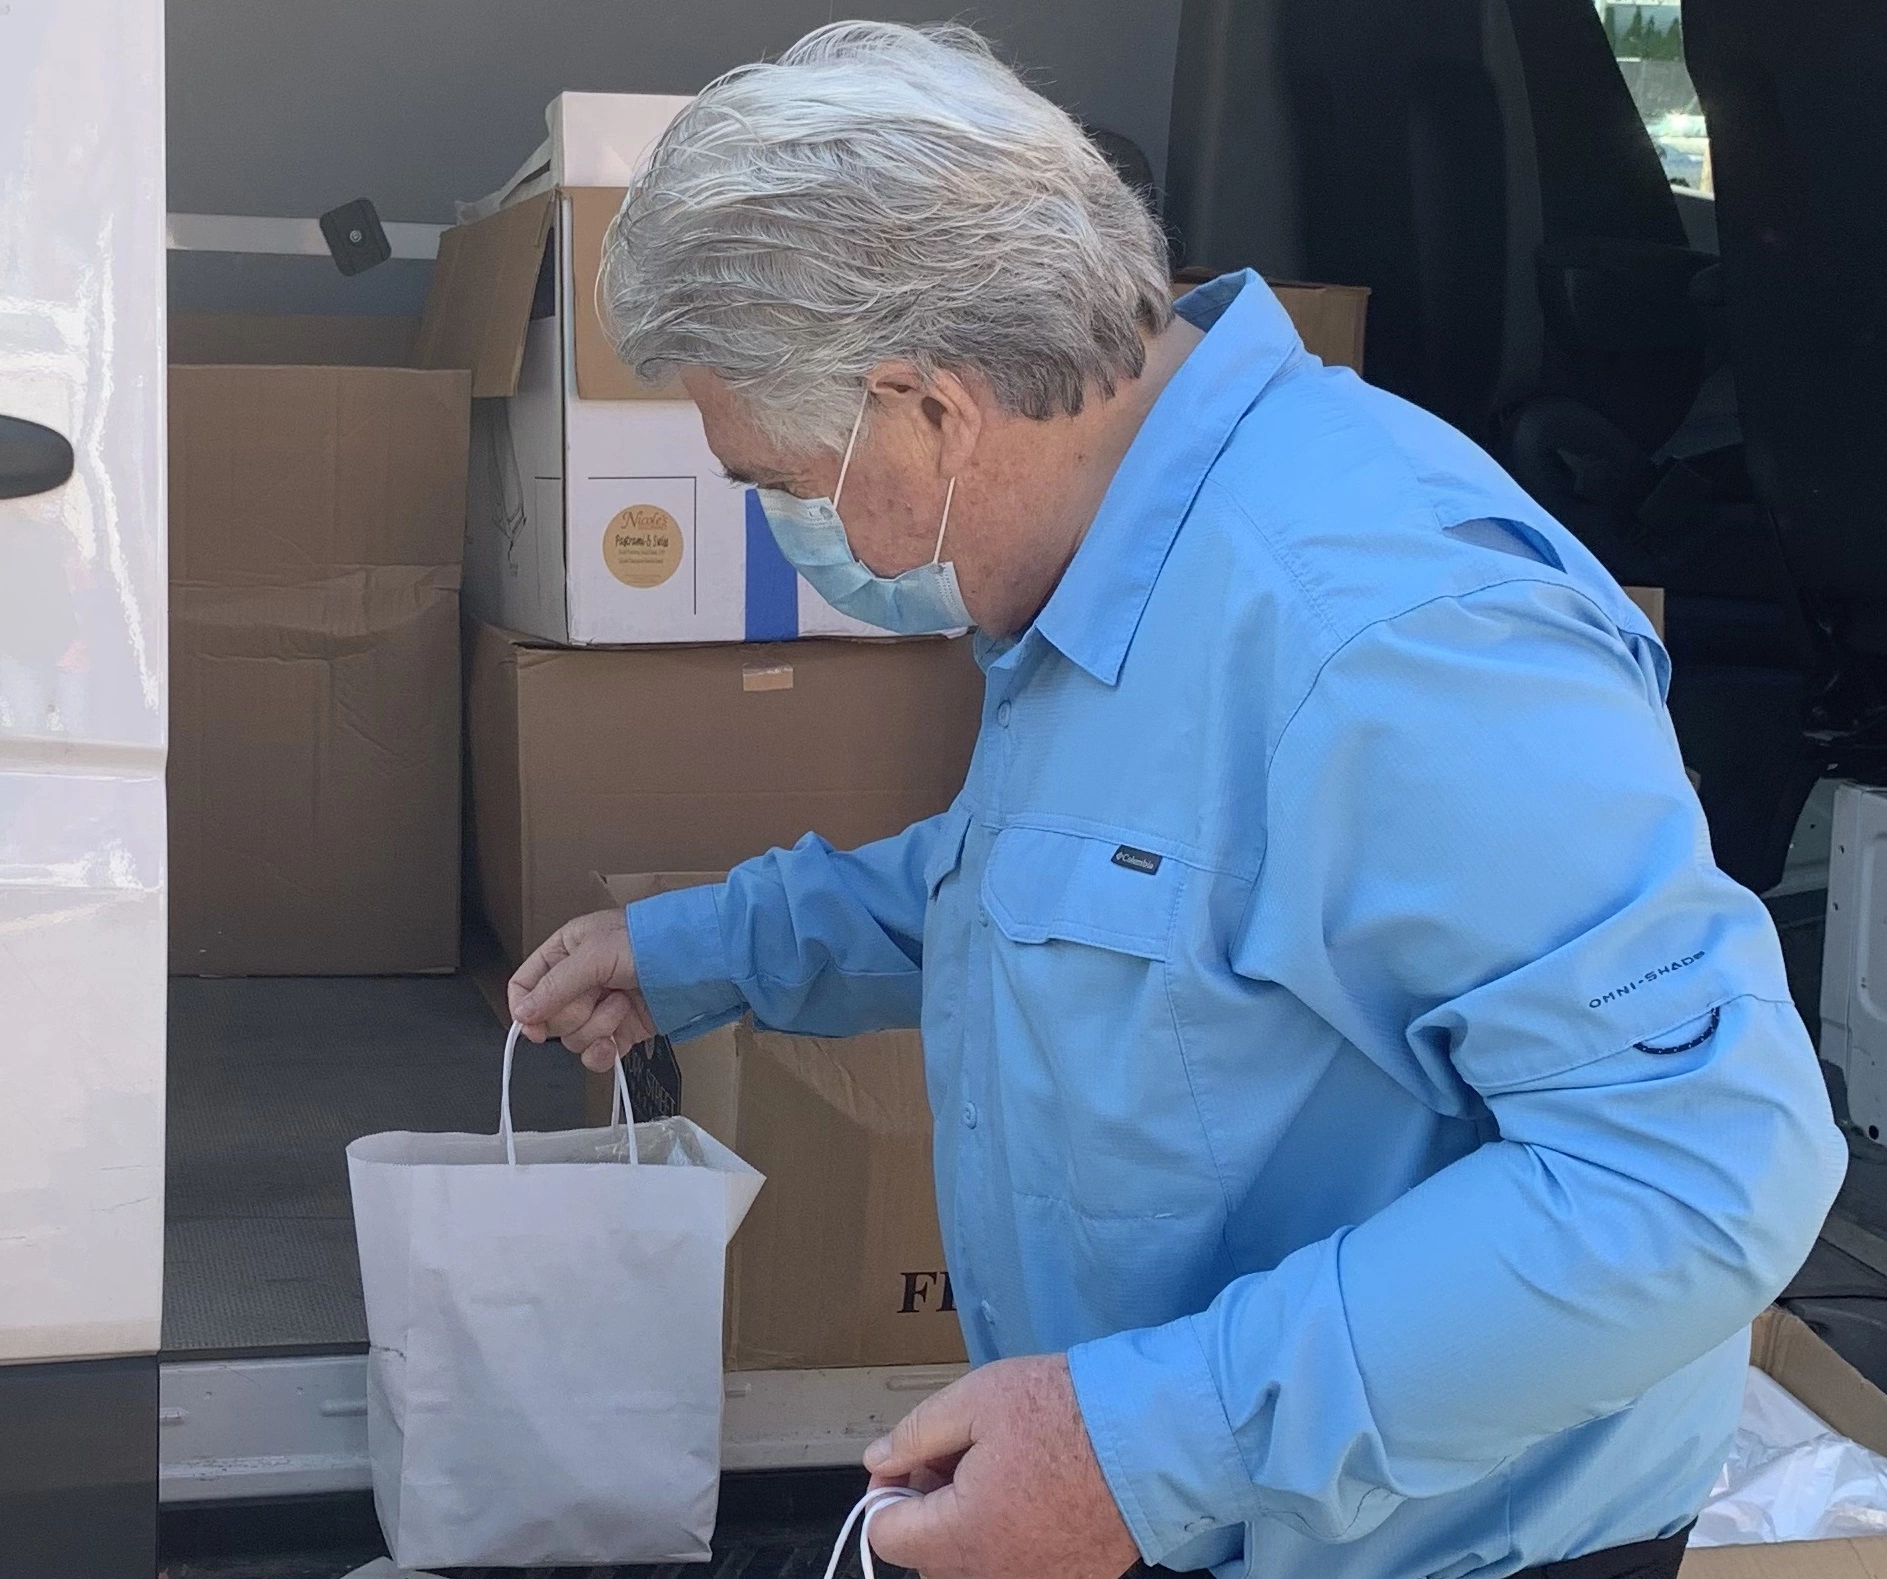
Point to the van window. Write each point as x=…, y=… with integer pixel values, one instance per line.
x=1648, y=42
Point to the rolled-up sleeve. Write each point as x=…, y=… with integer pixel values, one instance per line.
x=815, y=940
x=1496, y=883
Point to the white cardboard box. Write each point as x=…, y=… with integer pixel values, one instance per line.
x=592, y=139
x=596, y=513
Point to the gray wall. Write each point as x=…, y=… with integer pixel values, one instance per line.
x=288, y=107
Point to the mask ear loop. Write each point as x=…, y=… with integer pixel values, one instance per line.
x=936, y=554
x=845, y=465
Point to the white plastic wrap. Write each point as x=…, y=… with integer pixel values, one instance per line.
x=1790, y=1477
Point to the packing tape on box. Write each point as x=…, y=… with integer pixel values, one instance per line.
x=766, y=677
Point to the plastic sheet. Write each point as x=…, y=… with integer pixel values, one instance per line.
x=1790, y=1477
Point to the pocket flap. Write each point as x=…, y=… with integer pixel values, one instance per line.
x=1044, y=883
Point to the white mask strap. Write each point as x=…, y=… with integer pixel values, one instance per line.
x=943, y=525
x=850, y=444
x=845, y=465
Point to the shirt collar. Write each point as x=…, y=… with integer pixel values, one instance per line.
x=1092, y=615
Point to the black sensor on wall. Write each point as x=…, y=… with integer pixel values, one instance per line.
x=355, y=236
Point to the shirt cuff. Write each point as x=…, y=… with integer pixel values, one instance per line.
x=681, y=962
x=1159, y=1431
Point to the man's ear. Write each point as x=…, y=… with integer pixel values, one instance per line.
x=942, y=408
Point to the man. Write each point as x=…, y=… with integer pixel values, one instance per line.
x=1366, y=1119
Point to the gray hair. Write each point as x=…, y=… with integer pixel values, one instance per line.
x=881, y=192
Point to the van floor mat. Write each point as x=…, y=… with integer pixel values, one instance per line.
x=269, y=1079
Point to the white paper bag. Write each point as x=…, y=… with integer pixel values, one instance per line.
x=544, y=1320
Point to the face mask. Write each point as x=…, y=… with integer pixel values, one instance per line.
x=921, y=602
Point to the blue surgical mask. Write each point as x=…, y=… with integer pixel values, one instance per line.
x=920, y=602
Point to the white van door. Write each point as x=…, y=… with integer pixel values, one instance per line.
x=82, y=733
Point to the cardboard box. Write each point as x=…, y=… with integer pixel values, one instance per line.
x=598, y=513
x=316, y=516
x=694, y=758
x=1329, y=319
x=1650, y=601
x=840, y=1262
x=1803, y=1365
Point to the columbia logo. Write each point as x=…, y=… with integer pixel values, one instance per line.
x=1144, y=861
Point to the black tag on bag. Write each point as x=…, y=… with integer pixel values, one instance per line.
x=1143, y=861
x=653, y=1076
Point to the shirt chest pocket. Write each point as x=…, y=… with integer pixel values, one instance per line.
x=1097, y=1107
x=1044, y=886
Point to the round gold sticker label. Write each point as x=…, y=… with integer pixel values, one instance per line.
x=642, y=545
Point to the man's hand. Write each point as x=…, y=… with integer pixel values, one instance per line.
x=580, y=986
x=1012, y=1487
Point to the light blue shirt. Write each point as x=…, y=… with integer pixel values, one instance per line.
x=1340, y=1039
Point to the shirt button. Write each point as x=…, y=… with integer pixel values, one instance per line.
x=969, y=1115
x=1002, y=715
x=982, y=915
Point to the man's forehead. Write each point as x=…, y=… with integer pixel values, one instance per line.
x=746, y=453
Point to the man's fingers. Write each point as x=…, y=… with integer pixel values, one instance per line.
x=558, y=988
x=610, y=1011
x=920, y=1533
x=940, y=1428
x=567, y=979
x=526, y=978
x=932, y=1476
x=610, y=1031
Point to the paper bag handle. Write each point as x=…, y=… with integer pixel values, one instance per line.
x=867, y=1508
x=620, y=1111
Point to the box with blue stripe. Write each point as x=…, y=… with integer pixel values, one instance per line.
x=597, y=515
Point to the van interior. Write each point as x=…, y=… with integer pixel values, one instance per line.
x=1635, y=248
